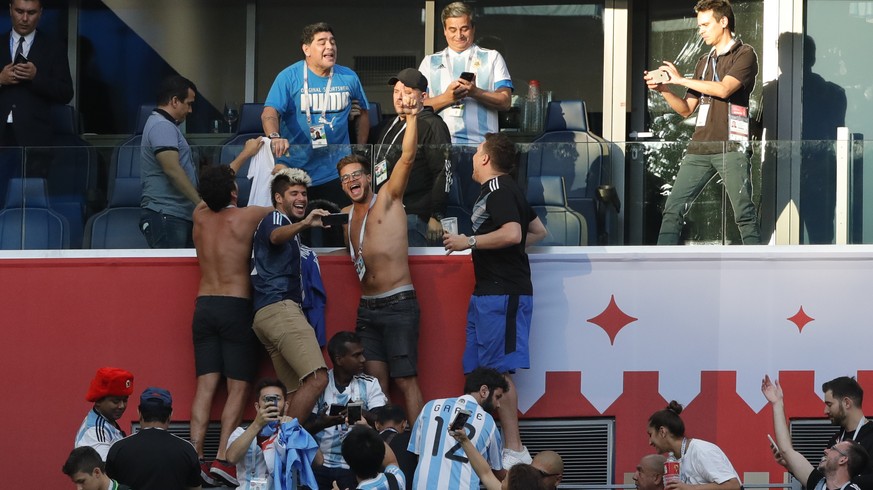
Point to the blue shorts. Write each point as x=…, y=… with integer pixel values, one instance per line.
x=498, y=328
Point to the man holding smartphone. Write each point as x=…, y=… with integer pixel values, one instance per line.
x=719, y=91
x=843, y=397
x=442, y=463
x=468, y=84
x=253, y=449
x=35, y=75
x=347, y=387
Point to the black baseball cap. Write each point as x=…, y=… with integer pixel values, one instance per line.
x=411, y=78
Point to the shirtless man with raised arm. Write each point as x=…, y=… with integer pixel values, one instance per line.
x=388, y=313
x=224, y=343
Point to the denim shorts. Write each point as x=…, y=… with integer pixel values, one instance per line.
x=390, y=334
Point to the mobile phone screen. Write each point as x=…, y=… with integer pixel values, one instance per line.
x=354, y=413
x=468, y=76
x=460, y=419
x=336, y=409
x=335, y=219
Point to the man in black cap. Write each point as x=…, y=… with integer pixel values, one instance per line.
x=153, y=458
x=426, y=191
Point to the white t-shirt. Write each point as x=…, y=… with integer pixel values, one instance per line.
x=704, y=462
x=260, y=173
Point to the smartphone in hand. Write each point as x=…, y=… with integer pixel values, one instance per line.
x=468, y=76
x=335, y=409
x=355, y=410
x=460, y=420
x=660, y=76
x=335, y=219
x=773, y=444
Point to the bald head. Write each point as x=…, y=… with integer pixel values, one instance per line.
x=650, y=472
x=654, y=462
x=551, y=466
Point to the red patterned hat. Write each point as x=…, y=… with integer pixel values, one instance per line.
x=110, y=381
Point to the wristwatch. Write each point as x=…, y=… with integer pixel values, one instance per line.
x=471, y=242
x=275, y=135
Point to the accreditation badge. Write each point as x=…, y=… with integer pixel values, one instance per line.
x=702, y=113
x=738, y=123
x=455, y=110
x=381, y=171
x=360, y=267
x=318, y=136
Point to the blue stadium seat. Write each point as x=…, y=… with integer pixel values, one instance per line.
x=27, y=222
x=117, y=226
x=72, y=172
x=566, y=149
x=548, y=197
x=125, y=161
x=249, y=127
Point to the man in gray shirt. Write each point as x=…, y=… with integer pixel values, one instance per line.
x=169, y=177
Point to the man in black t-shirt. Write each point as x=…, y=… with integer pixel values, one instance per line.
x=843, y=398
x=424, y=199
x=154, y=459
x=498, y=319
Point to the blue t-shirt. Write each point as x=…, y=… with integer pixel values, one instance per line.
x=158, y=193
x=276, y=268
x=286, y=97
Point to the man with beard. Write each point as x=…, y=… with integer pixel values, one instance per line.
x=843, y=397
x=279, y=320
x=442, y=463
x=388, y=312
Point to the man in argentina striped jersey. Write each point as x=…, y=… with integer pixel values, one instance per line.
x=442, y=463
x=109, y=391
x=346, y=383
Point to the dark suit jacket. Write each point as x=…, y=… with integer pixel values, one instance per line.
x=30, y=101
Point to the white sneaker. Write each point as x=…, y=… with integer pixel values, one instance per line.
x=512, y=458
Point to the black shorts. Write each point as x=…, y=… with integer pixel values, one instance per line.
x=223, y=338
x=389, y=333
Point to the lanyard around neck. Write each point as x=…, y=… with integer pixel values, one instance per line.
x=447, y=60
x=382, y=143
x=307, y=100
x=363, y=227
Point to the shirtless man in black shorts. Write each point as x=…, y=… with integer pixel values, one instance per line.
x=224, y=343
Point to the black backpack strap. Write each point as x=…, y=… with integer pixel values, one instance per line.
x=392, y=481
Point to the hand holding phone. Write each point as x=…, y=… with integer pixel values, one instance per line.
x=336, y=409
x=468, y=76
x=776, y=450
x=660, y=76
x=460, y=420
x=354, y=412
x=335, y=219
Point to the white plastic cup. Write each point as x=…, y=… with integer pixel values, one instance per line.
x=450, y=225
